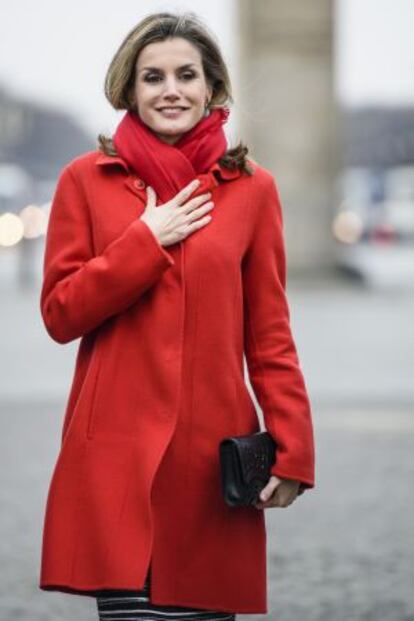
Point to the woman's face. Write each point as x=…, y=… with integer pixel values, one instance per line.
x=170, y=74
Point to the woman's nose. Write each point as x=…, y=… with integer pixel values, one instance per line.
x=171, y=87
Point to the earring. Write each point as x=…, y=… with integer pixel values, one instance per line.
x=206, y=108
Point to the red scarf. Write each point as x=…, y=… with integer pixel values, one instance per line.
x=165, y=167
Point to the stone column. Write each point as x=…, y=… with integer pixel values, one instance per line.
x=287, y=116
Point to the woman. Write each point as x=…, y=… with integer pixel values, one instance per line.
x=165, y=255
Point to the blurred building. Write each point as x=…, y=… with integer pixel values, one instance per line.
x=374, y=220
x=36, y=141
x=38, y=137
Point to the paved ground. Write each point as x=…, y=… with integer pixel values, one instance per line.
x=342, y=552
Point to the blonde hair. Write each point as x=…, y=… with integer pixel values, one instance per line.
x=120, y=76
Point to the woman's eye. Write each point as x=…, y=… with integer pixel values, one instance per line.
x=155, y=78
x=150, y=78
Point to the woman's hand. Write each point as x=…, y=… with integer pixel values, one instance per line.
x=179, y=217
x=278, y=493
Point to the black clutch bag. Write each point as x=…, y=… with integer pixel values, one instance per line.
x=245, y=463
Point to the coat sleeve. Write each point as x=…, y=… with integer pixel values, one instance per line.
x=271, y=355
x=80, y=290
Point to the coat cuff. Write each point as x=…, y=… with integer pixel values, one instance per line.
x=147, y=236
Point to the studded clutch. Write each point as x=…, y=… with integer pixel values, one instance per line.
x=245, y=463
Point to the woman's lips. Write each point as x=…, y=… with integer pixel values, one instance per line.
x=171, y=113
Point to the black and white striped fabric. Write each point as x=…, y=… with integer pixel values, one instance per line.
x=118, y=605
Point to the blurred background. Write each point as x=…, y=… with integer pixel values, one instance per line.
x=324, y=98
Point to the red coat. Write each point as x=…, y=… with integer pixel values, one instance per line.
x=159, y=381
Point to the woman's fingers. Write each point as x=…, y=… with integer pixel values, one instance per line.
x=174, y=221
x=183, y=194
x=272, y=501
x=151, y=197
x=278, y=493
x=268, y=493
x=195, y=203
x=268, y=490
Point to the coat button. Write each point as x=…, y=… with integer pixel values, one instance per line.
x=138, y=183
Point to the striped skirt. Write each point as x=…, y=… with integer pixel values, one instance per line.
x=116, y=605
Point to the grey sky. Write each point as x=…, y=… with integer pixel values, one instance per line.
x=375, y=51
x=54, y=52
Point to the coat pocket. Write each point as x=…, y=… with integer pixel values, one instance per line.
x=79, y=399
